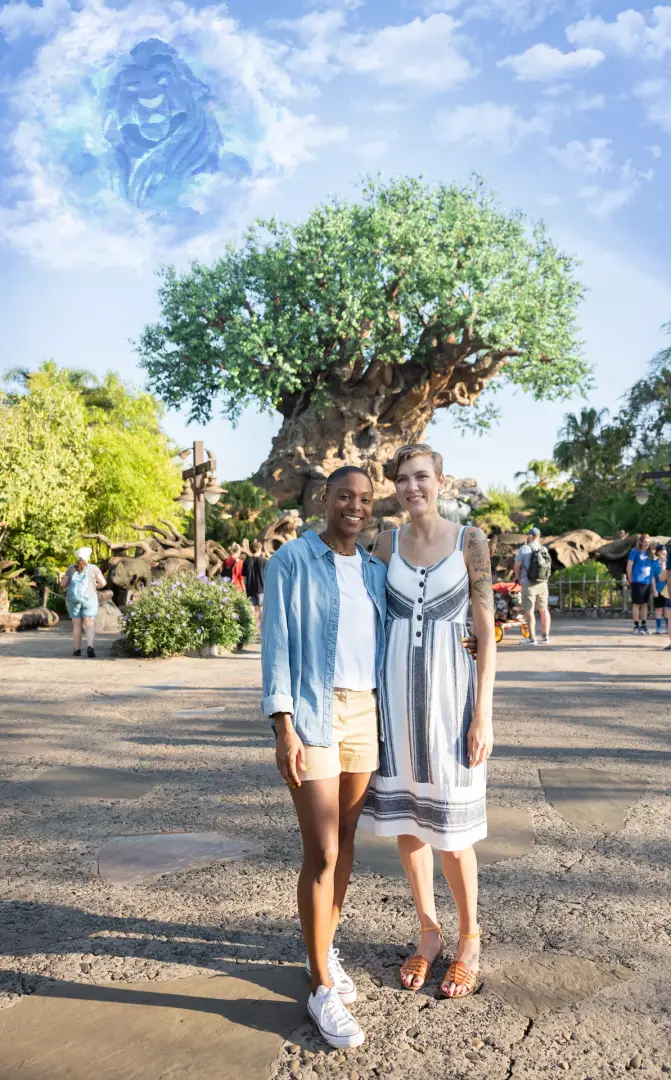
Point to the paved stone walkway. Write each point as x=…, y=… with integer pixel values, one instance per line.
x=148, y=860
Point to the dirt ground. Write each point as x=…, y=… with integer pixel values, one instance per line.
x=577, y=931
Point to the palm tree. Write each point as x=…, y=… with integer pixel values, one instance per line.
x=538, y=474
x=579, y=439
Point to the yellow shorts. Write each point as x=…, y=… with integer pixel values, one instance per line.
x=354, y=748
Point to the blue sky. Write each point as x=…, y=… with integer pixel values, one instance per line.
x=565, y=108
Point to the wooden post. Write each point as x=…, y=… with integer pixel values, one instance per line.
x=198, y=510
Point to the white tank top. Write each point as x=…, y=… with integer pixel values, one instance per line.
x=355, y=648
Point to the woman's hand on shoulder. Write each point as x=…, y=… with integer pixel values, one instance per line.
x=383, y=546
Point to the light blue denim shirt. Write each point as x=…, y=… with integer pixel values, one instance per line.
x=301, y=605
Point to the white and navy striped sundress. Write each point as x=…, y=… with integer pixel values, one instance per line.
x=424, y=787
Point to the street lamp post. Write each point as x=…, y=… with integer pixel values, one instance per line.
x=200, y=486
x=660, y=476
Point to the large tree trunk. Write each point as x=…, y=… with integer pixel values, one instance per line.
x=361, y=424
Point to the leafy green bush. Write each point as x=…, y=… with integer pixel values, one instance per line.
x=579, y=586
x=187, y=612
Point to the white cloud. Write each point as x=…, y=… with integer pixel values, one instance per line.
x=518, y=14
x=588, y=104
x=51, y=219
x=656, y=95
x=545, y=62
x=372, y=149
x=656, y=151
x=425, y=54
x=594, y=156
x=604, y=202
x=21, y=19
x=630, y=34
x=318, y=31
x=487, y=124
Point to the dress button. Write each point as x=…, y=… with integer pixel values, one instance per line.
x=419, y=618
x=420, y=599
x=422, y=571
x=419, y=633
x=421, y=584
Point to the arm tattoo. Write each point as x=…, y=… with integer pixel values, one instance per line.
x=480, y=565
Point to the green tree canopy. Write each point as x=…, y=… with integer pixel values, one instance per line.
x=409, y=300
x=45, y=471
x=79, y=455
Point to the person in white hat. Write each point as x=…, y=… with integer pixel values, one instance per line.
x=81, y=580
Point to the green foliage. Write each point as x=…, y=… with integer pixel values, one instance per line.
x=545, y=495
x=134, y=475
x=429, y=277
x=250, y=509
x=187, y=612
x=580, y=589
x=604, y=458
x=23, y=595
x=494, y=515
x=78, y=455
x=249, y=630
x=45, y=471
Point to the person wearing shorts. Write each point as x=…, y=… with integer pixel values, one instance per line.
x=322, y=646
x=535, y=595
x=659, y=590
x=639, y=576
x=81, y=580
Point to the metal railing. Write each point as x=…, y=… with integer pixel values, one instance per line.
x=601, y=596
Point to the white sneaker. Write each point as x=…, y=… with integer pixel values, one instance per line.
x=545, y=640
x=529, y=641
x=336, y=1025
x=341, y=980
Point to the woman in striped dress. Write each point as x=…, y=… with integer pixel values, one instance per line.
x=437, y=719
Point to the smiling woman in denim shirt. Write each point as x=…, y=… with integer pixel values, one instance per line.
x=322, y=650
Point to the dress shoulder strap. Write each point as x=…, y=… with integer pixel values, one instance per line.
x=394, y=542
x=461, y=537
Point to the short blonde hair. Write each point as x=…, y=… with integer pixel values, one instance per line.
x=413, y=450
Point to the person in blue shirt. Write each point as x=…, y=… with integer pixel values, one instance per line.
x=322, y=649
x=639, y=576
x=659, y=589
x=666, y=578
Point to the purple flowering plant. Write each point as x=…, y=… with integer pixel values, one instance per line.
x=172, y=616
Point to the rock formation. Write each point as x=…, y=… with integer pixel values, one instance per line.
x=164, y=553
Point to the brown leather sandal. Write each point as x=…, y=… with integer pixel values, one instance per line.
x=461, y=974
x=418, y=966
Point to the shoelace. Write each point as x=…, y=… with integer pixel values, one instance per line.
x=335, y=1012
x=336, y=970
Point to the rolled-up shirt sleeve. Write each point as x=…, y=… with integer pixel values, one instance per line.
x=275, y=648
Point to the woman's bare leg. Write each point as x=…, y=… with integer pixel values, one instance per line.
x=417, y=859
x=317, y=807
x=461, y=873
x=77, y=633
x=352, y=795
x=90, y=627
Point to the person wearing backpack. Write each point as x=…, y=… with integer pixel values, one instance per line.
x=533, y=566
x=81, y=580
